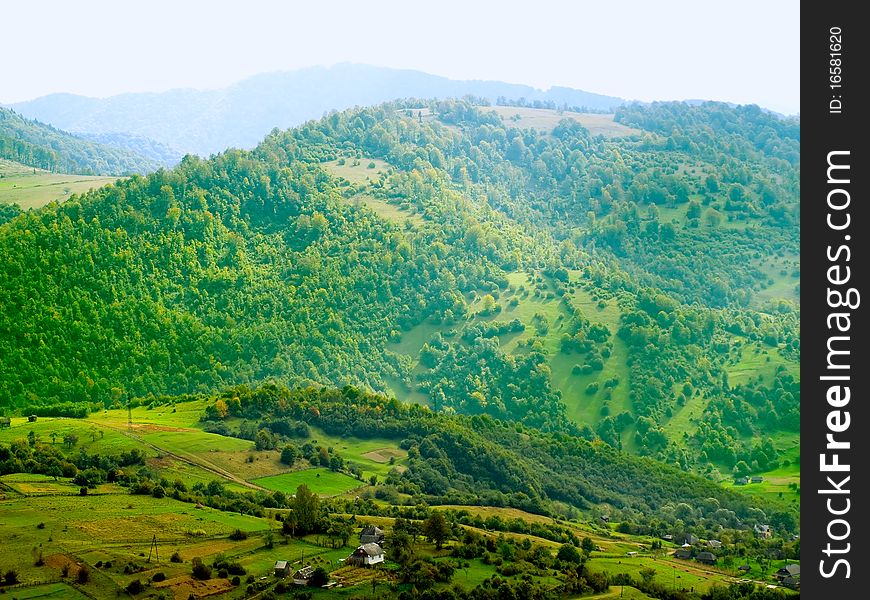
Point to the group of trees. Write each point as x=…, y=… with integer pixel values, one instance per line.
x=481, y=460
x=38, y=145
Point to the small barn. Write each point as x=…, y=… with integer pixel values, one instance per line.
x=691, y=539
x=282, y=568
x=366, y=555
x=371, y=535
x=5, y=422
x=741, y=480
x=683, y=553
x=708, y=558
x=302, y=576
x=714, y=543
x=757, y=479
x=31, y=419
x=792, y=582
x=792, y=570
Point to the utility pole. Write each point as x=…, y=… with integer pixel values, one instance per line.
x=153, y=548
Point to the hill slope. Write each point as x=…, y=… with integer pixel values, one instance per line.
x=591, y=285
x=209, y=121
x=42, y=146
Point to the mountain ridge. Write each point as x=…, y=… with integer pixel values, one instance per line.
x=242, y=113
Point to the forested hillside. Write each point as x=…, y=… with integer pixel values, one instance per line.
x=42, y=146
x=637, y=288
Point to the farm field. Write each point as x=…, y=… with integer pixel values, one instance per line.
x=322, y=481
x=545, y=119
x=31, y=188
x=64, y=527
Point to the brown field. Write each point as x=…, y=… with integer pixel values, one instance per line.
x=545, y=120
x=350, y=576
x=185, y=586
x=383, y=455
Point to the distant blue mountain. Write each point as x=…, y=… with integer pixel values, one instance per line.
x=208, y=121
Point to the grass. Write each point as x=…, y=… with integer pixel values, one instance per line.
x=356, y=170
x=32, y=188
x=389, y=211
x=48, y=591
x=92, y=438
x=669, y=572
x=111, y=527
x=321, y=481
x=546, y=119
x=533, y=305
x=757, y=360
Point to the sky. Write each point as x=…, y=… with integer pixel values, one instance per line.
x=737, y=51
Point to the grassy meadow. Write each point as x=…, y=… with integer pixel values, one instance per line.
x=29, y=187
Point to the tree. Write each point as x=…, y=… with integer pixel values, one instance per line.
x=587, y=545
x=319, y=577
x=646, y=575
x=289, y=454
x=436, y=528
x=568, y=553
x=306, y=508
x=70, y=440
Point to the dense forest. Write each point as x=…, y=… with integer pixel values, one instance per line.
x=272, y=265
x=42, y=146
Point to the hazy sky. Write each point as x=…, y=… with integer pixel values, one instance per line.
x=738, y=51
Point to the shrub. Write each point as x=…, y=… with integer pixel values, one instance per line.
x=176, y=557
x=10, y=577
x=84, y=575
x=238, y=535
x=159, y=576
x=200, y=570
x=134, y=587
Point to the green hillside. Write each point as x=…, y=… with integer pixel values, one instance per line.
x=625, y=288
x=41, y=146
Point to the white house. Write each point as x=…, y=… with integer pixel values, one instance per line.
x=366, y=555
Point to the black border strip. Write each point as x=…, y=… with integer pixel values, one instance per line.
x=831, y=127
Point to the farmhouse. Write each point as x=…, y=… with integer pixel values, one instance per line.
x=683, y=553
x=302, y=576
x=668, y=537
x=763, y=531
x=792, y=582
x=714, y=544
x=691, y=539
x=708, y=558
x=366, y=555
x=282, y=568
x=741, y=480
x=792, y=570
x=5, y=422
x=371, y=535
